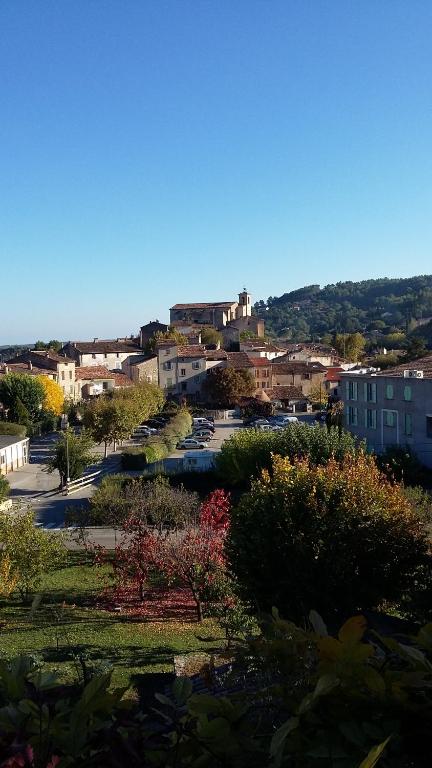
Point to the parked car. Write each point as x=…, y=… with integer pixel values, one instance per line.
x=203, y=425
x=154, y=423
x=202, y=433
x=191, y=442
x=144, y=432
x=146, y=428
x=265, y=427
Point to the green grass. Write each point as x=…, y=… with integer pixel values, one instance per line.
x=67, y=623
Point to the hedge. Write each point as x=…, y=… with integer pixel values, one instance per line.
x=159, y=447
x=10, y=428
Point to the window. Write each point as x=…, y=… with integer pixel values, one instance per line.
x=63, y=375
x=263, y=384
x=184, y=386
x=370, y=418
x=70, y=375
x=169, y=383
x=429, y=426
x=389, y=390
x=71, y=389
x=93, y=356
x=407, y=393
x=389, y=419
x=408, y=424
x=167, y=366
x=196, y=365
x=352, y=416
x=104, y=385
x=182, y=371
x=118, y=354
x=352, y=390
x=370, y=391
x=105, y=355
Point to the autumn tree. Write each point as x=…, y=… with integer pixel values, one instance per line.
x=319, y=395
x=22, y=395
x=337, y=537
x=350, y=346
x=170, y=335
x=30, y=551
x=53, y=401
x=71, y=455
x=225, y=386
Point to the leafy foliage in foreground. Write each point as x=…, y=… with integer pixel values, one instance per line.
x=337, y=536
x=248, y=452
x=300, y=699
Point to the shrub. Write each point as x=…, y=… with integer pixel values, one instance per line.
x=249, y=451
x=401, y=464
x=4, y=488
x=10, y=428
x=338, y=537
x=157, y=448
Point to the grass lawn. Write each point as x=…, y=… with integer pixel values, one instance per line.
x=67, y=623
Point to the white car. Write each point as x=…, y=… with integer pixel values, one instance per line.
x=191, y=442
x=264, y=427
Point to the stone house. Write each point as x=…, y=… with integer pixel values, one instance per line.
x=111, y=353
x=304, y=375
x=56, y=366
x=94, y=380
x=142, y=368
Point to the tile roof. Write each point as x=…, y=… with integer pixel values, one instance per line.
x=281, y=365
x=93, y=372
x=205, y=305
x=423, y=364
x=260, y=361
x=7, y=440
x=23, y=368
x=286, y=393
x=333, y=374
x=45, y=358
x=52, y=355
x=105, y=346
x=192, y=350
x=99, y=372
x=238, y=360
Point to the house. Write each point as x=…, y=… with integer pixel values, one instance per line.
x=392, y=407
x=312, y=353
x=47, y=362
x=14, y=453
x=332, y=381
x=291, y=398
x=141, y=368
x=94, y=380
x=304, y=375
x=261, y=372
x=257, y=348
x=148, y=331
x=111, y=353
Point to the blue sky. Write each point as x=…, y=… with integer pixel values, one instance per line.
x=162, y=151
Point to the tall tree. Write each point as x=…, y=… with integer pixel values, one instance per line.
x=53, y=401
x=350, y=346
x=18, y=391
x=71, y=455
x=225, y=386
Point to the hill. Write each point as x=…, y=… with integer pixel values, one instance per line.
x=372, y=307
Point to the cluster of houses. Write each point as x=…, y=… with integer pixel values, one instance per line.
x=384, y=408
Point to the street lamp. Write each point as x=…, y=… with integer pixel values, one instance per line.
x=65, y=427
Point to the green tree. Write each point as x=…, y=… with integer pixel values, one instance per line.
x=247, y=452
x=224, y=386
x=336, y=538
x=4, y=488
x=211, y=336
x=31, y=551
x=54, y=344
x=415, y=348
x=20, y=391
x=319, y=395
x=71, y=455
x=170, y=335
x=350, y=346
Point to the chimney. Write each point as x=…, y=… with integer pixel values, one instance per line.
x=96, y=338
x=30, y=365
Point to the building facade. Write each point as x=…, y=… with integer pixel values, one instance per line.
x=217, y=314
x=14, y=453
x=391, y=408
x=111, y=353
x=56, y=366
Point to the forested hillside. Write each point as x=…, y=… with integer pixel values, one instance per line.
x=373, y=307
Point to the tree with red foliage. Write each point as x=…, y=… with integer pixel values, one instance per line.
x=192, y=557
x=136, y=555
x=215, y=511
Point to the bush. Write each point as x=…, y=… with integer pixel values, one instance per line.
x=402, y=465
x=4, y=489
x=10, y=428
x=249, y=451
x=157, y=448
x=338, y=537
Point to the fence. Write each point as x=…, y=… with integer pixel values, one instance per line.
x=81, y=482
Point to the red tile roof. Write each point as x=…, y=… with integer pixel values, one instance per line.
x=286, y=393
x=23, y=368
x=260, y=361
x=93, y=372
x=206, y=305
x=238, y=360
x=104, y=346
